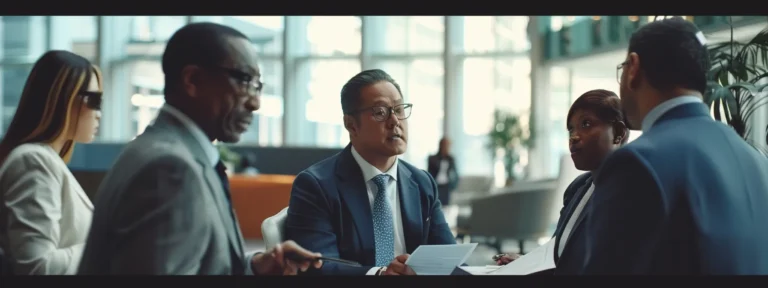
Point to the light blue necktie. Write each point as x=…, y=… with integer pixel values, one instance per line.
x=383, y=229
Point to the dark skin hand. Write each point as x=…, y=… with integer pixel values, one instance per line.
x=398, y=267
x=273, y=262
x=507, y=258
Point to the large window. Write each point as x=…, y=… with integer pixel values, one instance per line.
x=410, y=49
x=333, y=35
x=23, y=41
x=421, y=82
x=75, y=33
x=561, y=88
x=146, y=84
x=407, y=34
x=323, y=94
x=492, y=83
x=13, y=79
x=146, y=80
x=496, y=34
x=134, y=50
x=492, y=55
x=326, y=55
x=267, y=126
x=155, y=28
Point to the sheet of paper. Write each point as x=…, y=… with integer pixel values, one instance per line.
x=540, y=259
x=480, y=270
x=439, y=259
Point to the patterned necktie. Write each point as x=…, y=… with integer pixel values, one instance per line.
x=383, y=229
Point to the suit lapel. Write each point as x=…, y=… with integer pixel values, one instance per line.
x=164, y=120
x=410, y=204
x=79, y=191
x=215, y=186
x=569, y=213
x=354, y=194
x=83, y=197
x=584, y=213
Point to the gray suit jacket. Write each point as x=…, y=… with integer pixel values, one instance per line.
x=161, y=209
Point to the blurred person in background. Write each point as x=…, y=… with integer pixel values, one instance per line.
x=442, y=167
x=44, y=212
x=164, y=206
x=689, y=196
x=364, y=204
x=596, y=125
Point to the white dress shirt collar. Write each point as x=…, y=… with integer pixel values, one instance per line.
x=664, y=107
x=369, y=171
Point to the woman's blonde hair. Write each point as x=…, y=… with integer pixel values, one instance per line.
x=53, y=89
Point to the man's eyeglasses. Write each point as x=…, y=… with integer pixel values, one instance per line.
x=382, y=113
x=245, y=79
x=92, y=99
x=618, y=71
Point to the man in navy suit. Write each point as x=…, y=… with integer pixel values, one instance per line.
x=364, y=204
x=689, y=196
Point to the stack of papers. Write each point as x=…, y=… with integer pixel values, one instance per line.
x=439, y=259
x=540, y=259
x=480, y=270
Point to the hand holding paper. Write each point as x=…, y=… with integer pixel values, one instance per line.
x=439, y=259
x=398, y=266
x=540, y=259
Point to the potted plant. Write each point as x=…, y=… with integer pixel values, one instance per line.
x=508, y=136
x=736, y=83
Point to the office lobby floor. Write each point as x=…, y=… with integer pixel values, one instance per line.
x=480, y=257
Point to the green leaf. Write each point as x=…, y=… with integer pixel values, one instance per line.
x=716, y=110
x=709, y=97
x=735, y=70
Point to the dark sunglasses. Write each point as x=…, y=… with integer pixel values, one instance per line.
x=92, y=100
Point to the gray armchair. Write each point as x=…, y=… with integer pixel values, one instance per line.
x=526, y=211
x=459, y=210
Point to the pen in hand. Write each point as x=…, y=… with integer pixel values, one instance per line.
x=299, y=258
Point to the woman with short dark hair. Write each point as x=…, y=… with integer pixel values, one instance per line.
x=596, y=126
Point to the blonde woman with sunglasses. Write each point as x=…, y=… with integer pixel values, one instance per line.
x=44, y=213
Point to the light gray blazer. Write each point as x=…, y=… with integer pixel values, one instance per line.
x=161, y=209
x=44, y=213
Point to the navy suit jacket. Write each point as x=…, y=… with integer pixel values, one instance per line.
x=330, y=213
x=571, y=198
x=687, y=197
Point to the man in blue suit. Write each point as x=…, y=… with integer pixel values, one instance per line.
x=364, y=204
x=689, y=196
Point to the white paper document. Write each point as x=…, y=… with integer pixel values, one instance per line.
x=439, y=259
x=540, y=259
x=480, y=270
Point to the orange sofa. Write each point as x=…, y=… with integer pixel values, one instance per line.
x=256, y=198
